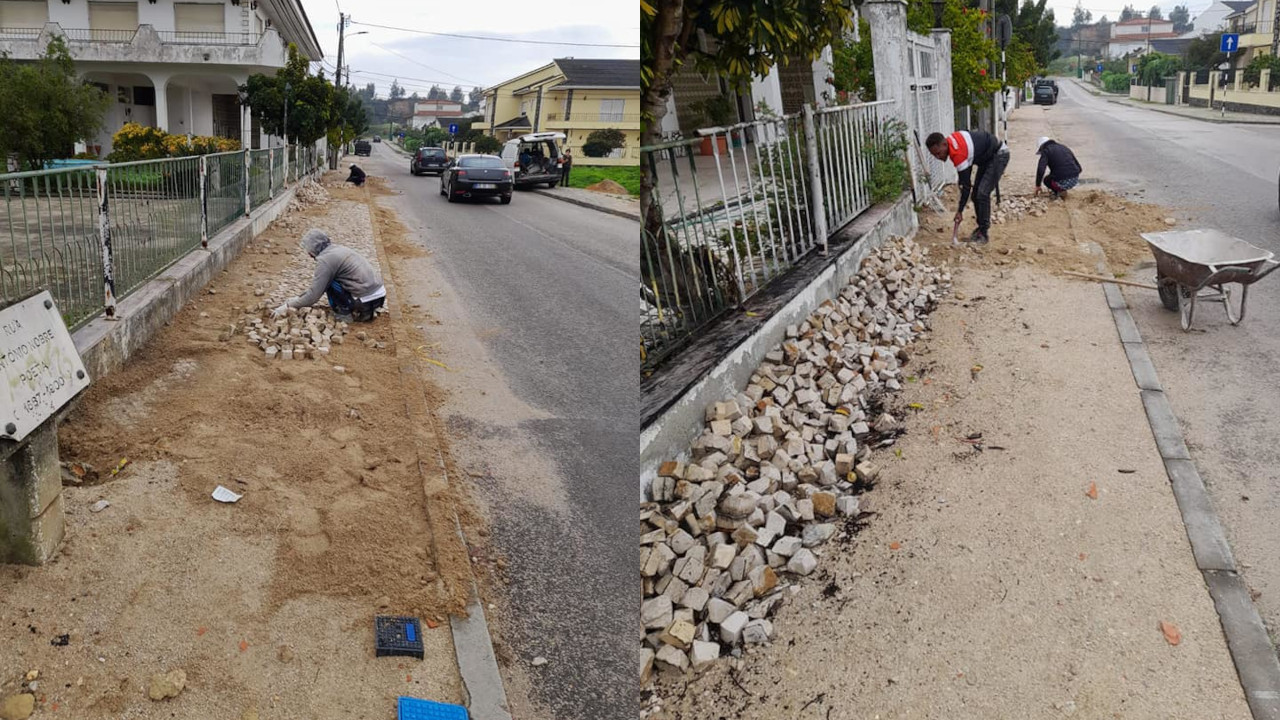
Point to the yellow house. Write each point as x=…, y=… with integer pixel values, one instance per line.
x=574, y=97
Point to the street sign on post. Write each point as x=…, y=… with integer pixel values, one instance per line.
x=453, y=128
x=1099, y=67
x=1230, y=42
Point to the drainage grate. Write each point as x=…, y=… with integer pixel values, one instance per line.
x=398, y=636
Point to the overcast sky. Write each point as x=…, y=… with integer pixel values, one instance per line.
x=420, y=60
x=1064, y=10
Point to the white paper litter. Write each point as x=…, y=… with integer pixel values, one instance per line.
x=100, y=506
x=222, y=494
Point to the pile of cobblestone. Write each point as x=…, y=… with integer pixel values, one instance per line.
x=777, y=471
x=1013, y=208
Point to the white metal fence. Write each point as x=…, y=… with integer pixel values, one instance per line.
x=925, y=105
x=741, y=205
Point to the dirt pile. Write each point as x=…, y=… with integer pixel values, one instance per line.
x=1054, y=235
x=777, y=472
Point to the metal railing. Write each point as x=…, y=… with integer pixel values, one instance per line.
x=763, y=196
x=184, y=37
x=91, y=235
x=277, y=169
x=259, y=176
x=95, y=35
x=8, y=33
x=626, y=118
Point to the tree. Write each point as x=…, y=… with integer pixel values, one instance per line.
x=853, y=66
x=1034, y=23
x=48, y=109
x=456, y=95
x=369, y=92
x=730, y=39
x=437, y=93
x=1202, y=52
x=602, y=142
x=1128, y=13
x=1155, y=13
x=1154, y=67
x=972, y=52
x=1180, y=16
x=309, y=97
x=1080, y=17
x=397, y=92
x=488, y=144
x=474, y=98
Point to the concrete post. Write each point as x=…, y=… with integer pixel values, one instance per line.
x=32, y=521
x=248, y=165
x=162, y=103
x=204, y=201
x=946, y=100
x=819, y=207
x=104, y=242
x=890, y=51
x=1238, y=85
x=1264, y=80
x=1178, y=99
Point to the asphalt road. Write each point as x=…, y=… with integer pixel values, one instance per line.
x=536, y=310
x=1223, y=381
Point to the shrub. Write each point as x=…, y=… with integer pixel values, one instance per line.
x=886, y=149
x=139, y=142
x=602, y=142
x=488, y=144
x=1115, y=82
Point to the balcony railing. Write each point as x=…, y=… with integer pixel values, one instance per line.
x=597, y=117
x=168, y=37
x=181, y=37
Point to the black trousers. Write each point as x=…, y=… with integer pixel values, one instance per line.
x=985, y=184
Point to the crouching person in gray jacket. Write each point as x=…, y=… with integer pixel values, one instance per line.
x=354, y=288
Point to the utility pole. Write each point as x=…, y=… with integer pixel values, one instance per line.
x=337, y=83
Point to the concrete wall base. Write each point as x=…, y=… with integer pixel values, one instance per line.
x=667, y=435
x=32, y=522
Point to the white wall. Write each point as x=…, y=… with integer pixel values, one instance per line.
x=75, y=15
x=767, y=89
x=821, y=71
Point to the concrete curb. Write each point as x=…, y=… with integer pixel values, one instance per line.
x=592, y=206
x=1251, y=650
x=486, y=697
x=1217, y=121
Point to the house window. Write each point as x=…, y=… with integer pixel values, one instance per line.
x=1146, y=28
x=611, y=110
x=199, y=18
x=109, y=20
x=23, y=14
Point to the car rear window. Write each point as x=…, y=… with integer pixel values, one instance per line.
x=481, y=162
x=433, y=152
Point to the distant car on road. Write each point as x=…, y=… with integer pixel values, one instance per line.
x=428, y=160
x=477, y=176
x=377, y=138
x=363, y=147
x=1046, y=93
x=534, y=159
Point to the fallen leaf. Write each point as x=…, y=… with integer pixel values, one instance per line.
x=432, y=624
x=1171, y=632
x=752, y=314
x=915, y=406
x=54, y=707
x=201, y=631
x=408, y=678
x=1083, y=556
x=244, y=645
x=895, y=545
x=928, y=381
x=1092, y=492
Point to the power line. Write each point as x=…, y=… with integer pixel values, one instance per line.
x=493, y=39
x=401, y=77
x=415, y=62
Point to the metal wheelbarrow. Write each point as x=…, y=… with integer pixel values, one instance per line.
x=1207, y=265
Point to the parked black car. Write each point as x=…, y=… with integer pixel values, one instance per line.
x=363, y=147
x=428, y=160
x=377, y=138
x=1046, y=93
x=476, y=176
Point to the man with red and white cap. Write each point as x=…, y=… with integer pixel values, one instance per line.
x=967, y=149
x=1064, y=169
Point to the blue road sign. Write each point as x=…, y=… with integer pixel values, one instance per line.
x=453, y=128
x=1099, y=67
x=1133, y=68
x=1230, y=42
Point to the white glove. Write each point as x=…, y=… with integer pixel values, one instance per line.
x=280, y=311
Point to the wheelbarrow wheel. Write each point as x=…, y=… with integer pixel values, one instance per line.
x=1168, y=290
x=1234, y=297
x=1186, y=306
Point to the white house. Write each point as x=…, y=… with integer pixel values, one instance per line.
x=435, y=112
x=1214, y=17
x=172, y=65
x=1135, y=35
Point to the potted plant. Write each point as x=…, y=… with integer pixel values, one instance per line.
x=716, y=111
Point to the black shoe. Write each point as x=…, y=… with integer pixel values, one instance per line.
x=979, y=238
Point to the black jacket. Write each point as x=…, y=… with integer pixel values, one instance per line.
x=1060, y=161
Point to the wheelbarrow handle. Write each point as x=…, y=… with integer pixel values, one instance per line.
x=1273, y=265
